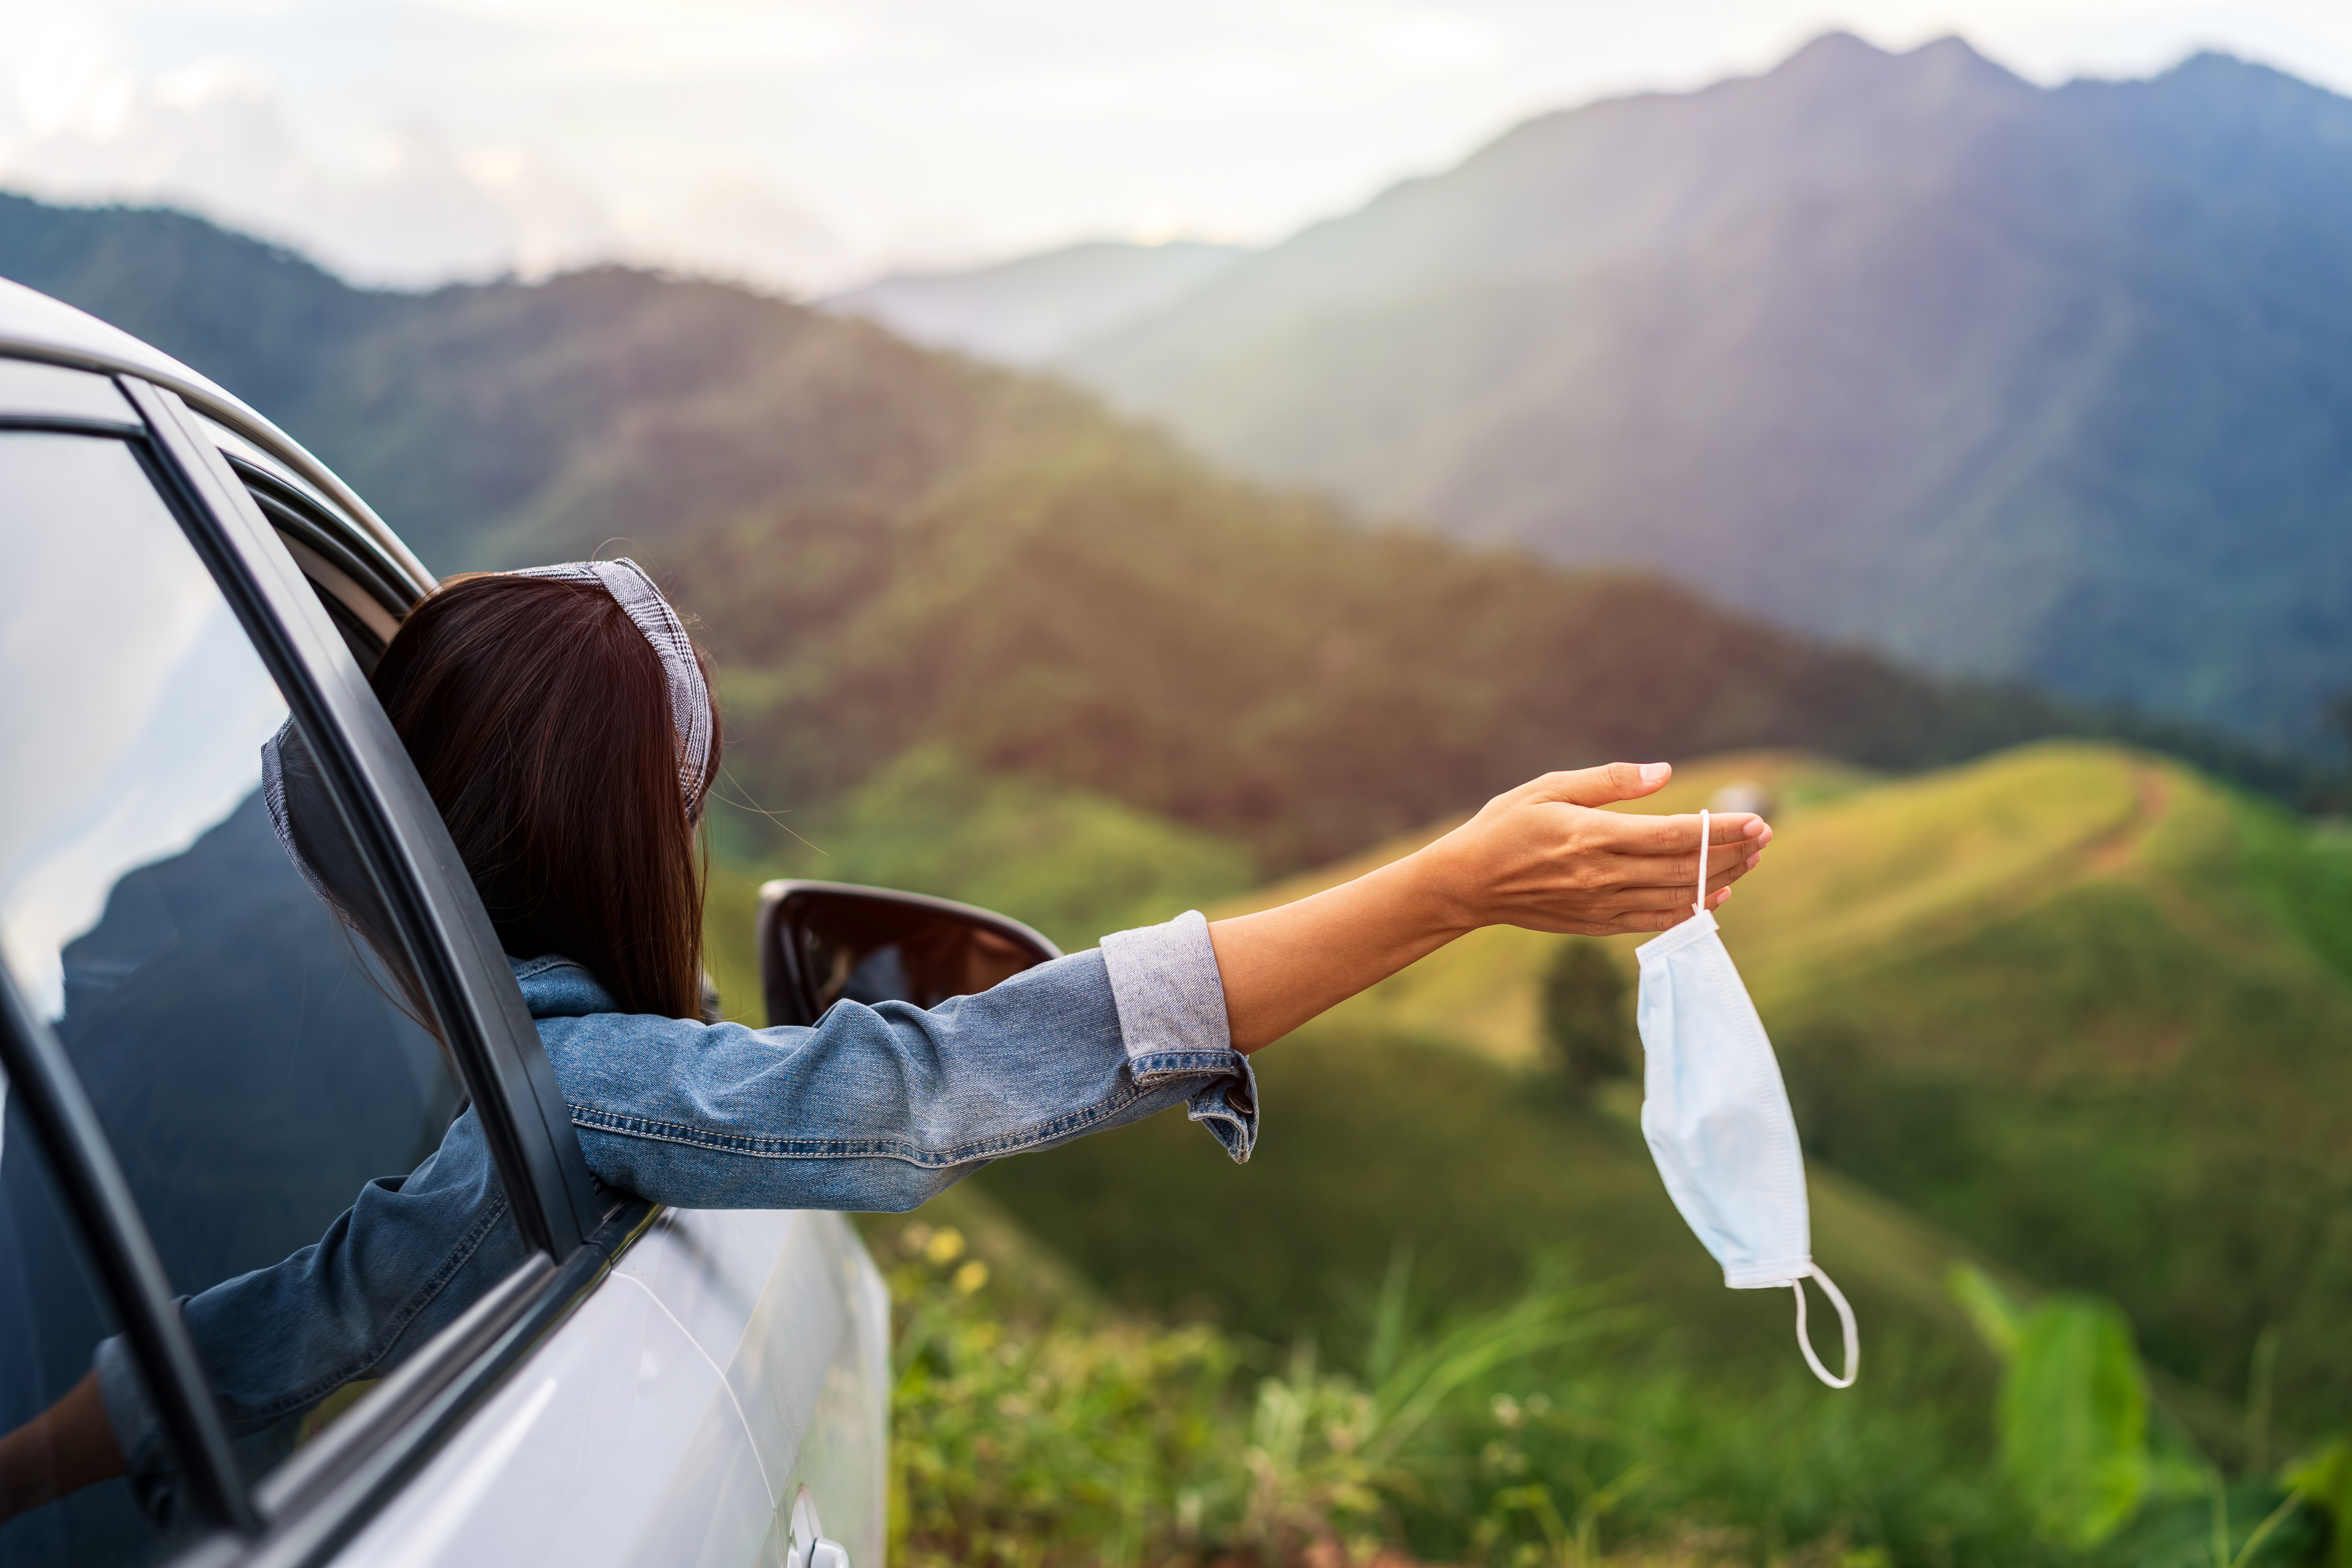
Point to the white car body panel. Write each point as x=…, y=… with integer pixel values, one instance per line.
x=729, y=1361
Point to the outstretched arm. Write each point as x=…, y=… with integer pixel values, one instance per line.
x=1542, y=855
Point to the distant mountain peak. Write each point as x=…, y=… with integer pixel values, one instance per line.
x=1931, y=78
x=2216, y=72
x=1955, y=54
x=2221, y=62
x=1835, y=50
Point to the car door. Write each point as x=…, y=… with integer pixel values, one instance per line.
x=204, y=1068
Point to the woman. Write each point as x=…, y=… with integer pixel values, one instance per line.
x=563, y=723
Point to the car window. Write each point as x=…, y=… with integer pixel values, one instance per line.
x=260, y=1062
x=51, y=1411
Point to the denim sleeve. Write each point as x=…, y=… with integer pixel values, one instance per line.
x=883, y=1107
x=401, y=1264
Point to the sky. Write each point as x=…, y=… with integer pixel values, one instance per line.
x=805, y=145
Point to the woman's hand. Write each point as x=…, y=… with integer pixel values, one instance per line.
x=1542, y=855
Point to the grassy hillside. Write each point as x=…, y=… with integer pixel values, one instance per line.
x=2078, y=1006
x=1900, y=348
x=1377, y=1143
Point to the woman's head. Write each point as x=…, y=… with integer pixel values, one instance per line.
x=541, y=720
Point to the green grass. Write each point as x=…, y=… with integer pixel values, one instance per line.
x=1033, y=1424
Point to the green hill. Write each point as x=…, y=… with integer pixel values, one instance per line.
x=1897, y=349
x=2079, y=1007
x=1376, y=1141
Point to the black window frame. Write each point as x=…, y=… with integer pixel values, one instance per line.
x=463, y=968
x=305, y=1510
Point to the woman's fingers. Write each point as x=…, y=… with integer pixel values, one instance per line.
x=1677, y=894
x=1644, y=920
x=1669, y=870
x=1627, y=833
x=1653, y=910
x=1603, y=785
x=1628, y=921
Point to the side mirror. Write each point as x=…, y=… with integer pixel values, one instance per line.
x=822, y=941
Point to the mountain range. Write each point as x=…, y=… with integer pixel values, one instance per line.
x=893, y=548
x=2050, y=383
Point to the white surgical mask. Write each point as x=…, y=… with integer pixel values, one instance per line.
x=1717, y=1119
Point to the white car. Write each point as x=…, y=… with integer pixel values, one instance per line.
x=203, y=1068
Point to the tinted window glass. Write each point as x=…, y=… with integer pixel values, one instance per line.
x=52, y=1414
x=243, y=1049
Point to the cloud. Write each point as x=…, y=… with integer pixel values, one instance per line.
x=400, y=207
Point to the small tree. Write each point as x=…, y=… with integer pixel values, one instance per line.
x=1586, y=1020
x=2338, y=711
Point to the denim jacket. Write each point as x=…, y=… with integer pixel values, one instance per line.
x=871, y=1107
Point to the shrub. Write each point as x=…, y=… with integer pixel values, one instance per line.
x=1586, y=1020
x=1033, y=1431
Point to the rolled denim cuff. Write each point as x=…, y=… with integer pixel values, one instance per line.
x=1171, y=1017
x=138, y=1431
x=1226, y=1105
x=1164, y=979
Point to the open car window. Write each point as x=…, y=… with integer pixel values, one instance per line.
x=365, y=592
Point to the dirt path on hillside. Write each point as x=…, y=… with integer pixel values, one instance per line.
x=2117, y=855
x=2117, y=850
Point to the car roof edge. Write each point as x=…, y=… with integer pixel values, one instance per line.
x=35, y=326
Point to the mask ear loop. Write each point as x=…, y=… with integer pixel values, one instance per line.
x=1845, y=1319
x=1837, y=1296
x=1699, y=905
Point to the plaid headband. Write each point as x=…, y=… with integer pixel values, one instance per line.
x=282, y=758
x=690, y=698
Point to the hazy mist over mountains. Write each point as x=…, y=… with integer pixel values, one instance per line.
x=2054, y=384
x=1036, y=309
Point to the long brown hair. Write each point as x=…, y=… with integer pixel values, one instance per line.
x=539, y=716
